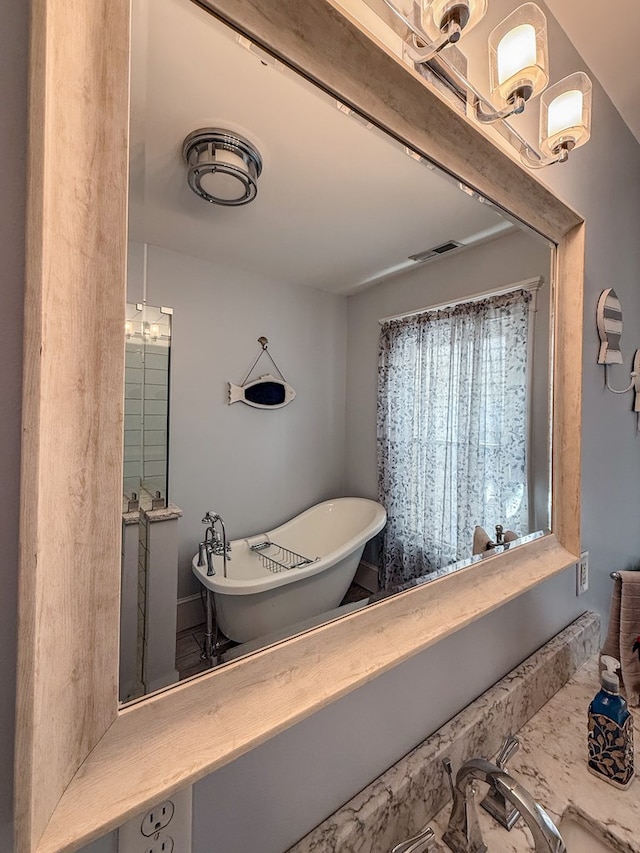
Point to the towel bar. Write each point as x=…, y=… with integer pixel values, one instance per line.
x=614, y=575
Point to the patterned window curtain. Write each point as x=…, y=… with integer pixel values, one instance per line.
x=452, y=431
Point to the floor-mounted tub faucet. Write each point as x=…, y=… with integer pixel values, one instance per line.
x=214, y=545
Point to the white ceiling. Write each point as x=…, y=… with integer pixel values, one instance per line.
x=607, y=37
x=338, y=204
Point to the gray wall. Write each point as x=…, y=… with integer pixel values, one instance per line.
x=277, y=792
x=256, y=468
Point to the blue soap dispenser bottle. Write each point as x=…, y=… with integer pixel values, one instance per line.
x=610, y=730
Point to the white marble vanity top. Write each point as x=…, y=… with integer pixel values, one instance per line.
x=551, y=764
x=544, y=701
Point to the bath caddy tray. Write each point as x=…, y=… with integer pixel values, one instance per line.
x=276, y=558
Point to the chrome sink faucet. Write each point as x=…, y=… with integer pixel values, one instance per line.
x=502, y=810
x=214, y=544
x=463, y=833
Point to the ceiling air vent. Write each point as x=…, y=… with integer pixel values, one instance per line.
x=446, y=247
x=437, y=250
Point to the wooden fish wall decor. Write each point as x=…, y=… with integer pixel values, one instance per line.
x=609, y=320
x=265, y=392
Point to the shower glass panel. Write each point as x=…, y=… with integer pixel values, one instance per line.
x=146, y=405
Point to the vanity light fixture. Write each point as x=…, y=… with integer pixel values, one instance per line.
x=518, y=72
x=223, y=167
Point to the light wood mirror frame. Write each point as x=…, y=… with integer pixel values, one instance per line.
x=83, y=765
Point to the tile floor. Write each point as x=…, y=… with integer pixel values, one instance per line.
x=190, y=642
x=189, y=645
x=189, y=648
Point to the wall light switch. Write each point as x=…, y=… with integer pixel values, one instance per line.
x=165, y=828
x=582, y=573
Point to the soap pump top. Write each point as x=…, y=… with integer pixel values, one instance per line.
x=610, y=736
x=609, y=675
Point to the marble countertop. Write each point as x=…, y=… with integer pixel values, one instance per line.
x=545, y=702
x=551, y=764
x=413, y=791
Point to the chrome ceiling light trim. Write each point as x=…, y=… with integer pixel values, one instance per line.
x=227, y=162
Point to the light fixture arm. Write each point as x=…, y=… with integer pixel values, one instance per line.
x=539, y=162
x=421, y=53
x=419, y=49
x=515, y=108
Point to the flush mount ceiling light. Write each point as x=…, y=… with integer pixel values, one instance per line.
x=518, y=71
x=224, y=167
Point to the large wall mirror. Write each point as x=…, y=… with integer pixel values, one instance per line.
x=330, y=305
x=409, y=313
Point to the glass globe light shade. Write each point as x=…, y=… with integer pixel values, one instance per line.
x=518, y=56
x=565, y=114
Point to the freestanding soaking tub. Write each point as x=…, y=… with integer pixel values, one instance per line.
x=296, y=571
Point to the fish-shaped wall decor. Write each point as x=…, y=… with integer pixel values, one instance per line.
x=609, y=320
x=266, y=392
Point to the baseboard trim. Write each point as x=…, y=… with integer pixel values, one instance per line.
x=367, y=576
x=189, y=612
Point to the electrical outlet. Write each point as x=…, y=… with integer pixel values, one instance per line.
x=162, y=845
x=157, y=818
x=165, y=828
x=582, y=573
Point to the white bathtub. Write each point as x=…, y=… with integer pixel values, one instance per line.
x=253, y=601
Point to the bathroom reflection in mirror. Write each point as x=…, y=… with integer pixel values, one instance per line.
x=411, y=316
x=147, y=332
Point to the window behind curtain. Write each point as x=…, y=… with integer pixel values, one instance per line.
x=452, y=431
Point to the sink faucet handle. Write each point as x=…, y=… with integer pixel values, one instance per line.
x=423, y=842
x=448, y=766
x=510, y=745
x=495, y=803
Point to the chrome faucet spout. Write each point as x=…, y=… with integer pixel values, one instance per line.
x=463, y=834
